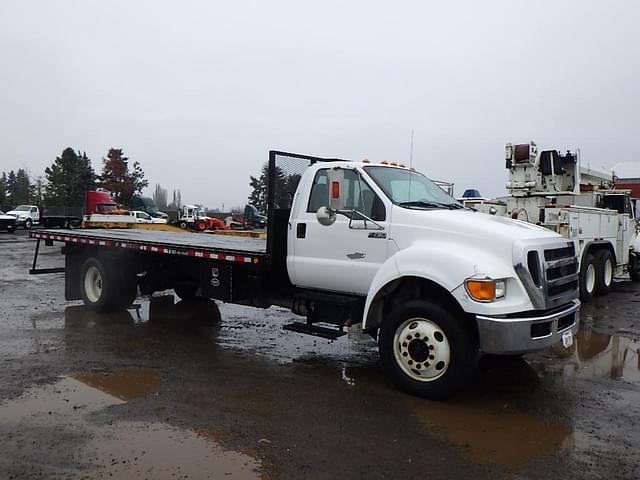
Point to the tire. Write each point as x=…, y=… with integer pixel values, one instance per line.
x=604, y=272
x=634, y=268
x=98, y=286
x=587, y=280
x=183, y=225
x=439, y=353
x=201, y=226
x=28, y=223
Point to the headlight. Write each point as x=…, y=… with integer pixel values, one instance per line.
x=485, y=290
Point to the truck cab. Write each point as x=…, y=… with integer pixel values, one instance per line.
x=435, y=278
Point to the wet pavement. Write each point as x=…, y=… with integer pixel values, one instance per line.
x=181, y=390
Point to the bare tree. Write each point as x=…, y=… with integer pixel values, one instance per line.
x=176, y=204
x=160, y=197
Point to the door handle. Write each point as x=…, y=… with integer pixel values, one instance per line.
x=301, y=230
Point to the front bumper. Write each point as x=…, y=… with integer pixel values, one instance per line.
x=515, y=335
x=7, y=224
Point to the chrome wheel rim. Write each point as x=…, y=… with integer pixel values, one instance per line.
x=421, y=349
x=93, y=284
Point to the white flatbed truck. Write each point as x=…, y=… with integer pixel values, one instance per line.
x=353, y=244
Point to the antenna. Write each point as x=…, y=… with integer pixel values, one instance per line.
x=410, y=166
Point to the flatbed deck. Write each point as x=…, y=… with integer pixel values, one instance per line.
x=216, y=247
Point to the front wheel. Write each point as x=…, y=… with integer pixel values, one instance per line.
x=27, y=224
x=587, y=281
x=604, y=272
x=426, y=350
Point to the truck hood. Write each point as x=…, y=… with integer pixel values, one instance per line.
x=17, y=213
x=464, y=226
x=6, y=216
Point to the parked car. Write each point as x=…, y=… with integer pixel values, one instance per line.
x=26, y=215
x=7, y=222
x=144, y=217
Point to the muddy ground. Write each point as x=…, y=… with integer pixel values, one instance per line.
x=173, y=391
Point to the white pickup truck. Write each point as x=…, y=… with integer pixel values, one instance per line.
x=26, y=215
x=379, y=248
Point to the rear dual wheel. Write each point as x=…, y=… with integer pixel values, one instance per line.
x=596, y=274
x=426, y=350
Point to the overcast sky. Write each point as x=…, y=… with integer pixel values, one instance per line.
x=199, y=91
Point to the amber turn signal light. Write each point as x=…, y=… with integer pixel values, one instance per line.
x=481, y=290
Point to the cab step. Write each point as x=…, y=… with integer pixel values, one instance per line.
x=315, y=330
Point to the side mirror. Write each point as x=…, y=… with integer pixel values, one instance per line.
x=336, y=180
x=326, y=216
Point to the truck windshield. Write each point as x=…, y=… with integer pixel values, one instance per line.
x=22, y=208
x=411, y=189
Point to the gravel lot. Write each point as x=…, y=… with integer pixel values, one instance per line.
x=180, y=391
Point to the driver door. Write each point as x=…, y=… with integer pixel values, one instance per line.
x=345, y=256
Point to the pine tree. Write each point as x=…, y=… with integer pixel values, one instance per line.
x=121, y=181
x=69, y=177
x=18, y=187
x=285, y=186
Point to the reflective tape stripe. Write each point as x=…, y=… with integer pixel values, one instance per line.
x=148, y=248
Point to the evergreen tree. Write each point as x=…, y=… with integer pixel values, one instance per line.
x=285, y=186
x=258, y=196
x=69, y=177
x=121, y=181
x=19, y=188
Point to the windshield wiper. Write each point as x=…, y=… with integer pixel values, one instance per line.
x=430, y=204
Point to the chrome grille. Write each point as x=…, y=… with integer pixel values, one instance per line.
x=549, y=272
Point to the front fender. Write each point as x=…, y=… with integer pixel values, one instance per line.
x=446, y=266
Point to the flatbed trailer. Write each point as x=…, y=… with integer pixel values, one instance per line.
x=210, y=263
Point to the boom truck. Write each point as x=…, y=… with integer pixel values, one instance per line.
x=378, y=248
x=577, y=201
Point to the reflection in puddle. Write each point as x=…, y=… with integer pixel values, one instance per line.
x=160, y=310
x=494, y=434
x=124, y=384
x=125, y=450
x=595, y=354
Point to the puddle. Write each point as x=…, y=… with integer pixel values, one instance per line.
x=124, y=384
x=124, y=450
x=132, y=450
x=594, y=354
x=68, y=396
x=82, y=393
x=494, y=434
